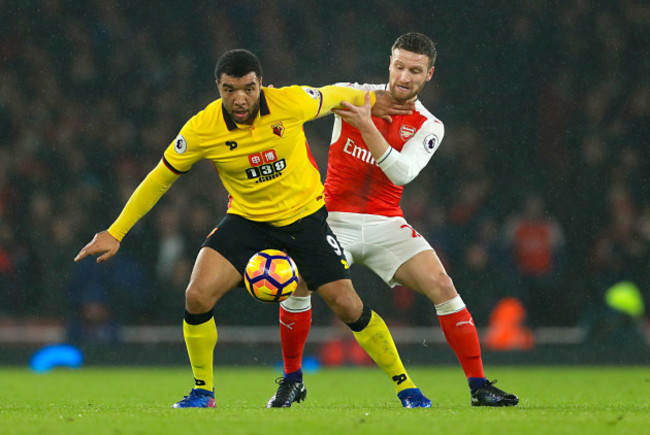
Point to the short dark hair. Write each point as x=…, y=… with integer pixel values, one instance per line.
x=237, y=63
x=417, y=43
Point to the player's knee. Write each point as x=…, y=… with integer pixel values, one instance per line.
x=302, y=289
x=444, y=281
x=363, y=320
x=197, y=300
x=442, y=286
x=349, y=313
x=344, y=301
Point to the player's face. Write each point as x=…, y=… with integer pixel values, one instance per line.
x=241, y=96
x=408, y=74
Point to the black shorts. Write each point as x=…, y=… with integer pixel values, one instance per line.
x=309, y=241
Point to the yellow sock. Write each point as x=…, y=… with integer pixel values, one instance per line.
x=376, y=340
x=200, y=341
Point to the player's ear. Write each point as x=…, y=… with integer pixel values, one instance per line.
x=430, y=73
x=218, y=89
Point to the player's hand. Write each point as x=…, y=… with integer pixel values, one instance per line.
x=386, y=105
x=103, y=244
x=356, y=116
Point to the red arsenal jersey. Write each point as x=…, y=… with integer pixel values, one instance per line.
x=355, y=183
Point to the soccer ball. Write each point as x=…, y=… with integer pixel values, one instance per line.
x=271, y=276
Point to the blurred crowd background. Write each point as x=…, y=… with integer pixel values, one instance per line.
x=540, y=190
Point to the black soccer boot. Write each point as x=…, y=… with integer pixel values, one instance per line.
x=489, y=395
x=288, y=392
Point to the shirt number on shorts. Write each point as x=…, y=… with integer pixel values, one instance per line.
x=332, y=241
x=414, y=233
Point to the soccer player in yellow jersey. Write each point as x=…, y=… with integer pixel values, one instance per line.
x=254, y=137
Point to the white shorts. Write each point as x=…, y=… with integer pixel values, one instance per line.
x=381, y=243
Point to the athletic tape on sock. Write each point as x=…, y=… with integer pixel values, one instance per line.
x=197, y=319
x=297, y=304
x=451, y=306
x=363, y=321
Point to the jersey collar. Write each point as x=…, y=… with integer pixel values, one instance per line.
x=232, y=125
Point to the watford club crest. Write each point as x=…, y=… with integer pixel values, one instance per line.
x=278, y=129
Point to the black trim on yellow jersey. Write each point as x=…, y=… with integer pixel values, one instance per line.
x=264, y=110
x=230, y=124
x=320, y=102
x=171, y=168
x=264, y=107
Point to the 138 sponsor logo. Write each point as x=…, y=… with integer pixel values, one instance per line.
x=265, y=166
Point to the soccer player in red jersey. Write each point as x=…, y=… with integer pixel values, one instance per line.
x=370, y=161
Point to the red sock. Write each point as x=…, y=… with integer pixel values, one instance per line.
x=461, y=335
x=294, y=329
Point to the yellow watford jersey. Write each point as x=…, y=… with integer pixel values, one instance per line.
x=266, y=167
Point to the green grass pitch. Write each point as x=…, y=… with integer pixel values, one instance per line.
x=95, y=400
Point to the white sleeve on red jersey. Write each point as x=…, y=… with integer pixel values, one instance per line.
x=401, y=167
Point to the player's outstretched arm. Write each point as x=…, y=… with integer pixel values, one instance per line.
x=385, y=106
x=145, y=196
x=103, y=244
x=333, y=95
x=359, y=118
